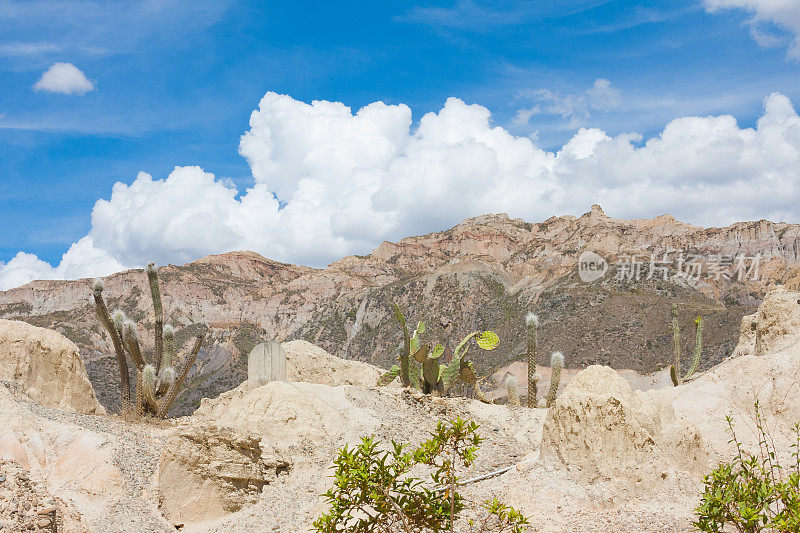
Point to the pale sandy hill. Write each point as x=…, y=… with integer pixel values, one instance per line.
x=606, y=457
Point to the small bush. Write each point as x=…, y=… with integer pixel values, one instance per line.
x=373, y=491
x=753, y=493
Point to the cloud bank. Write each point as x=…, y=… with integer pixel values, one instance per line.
x=329, y=182
x=64, y=78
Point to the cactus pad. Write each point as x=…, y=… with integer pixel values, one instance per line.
x=488, y=340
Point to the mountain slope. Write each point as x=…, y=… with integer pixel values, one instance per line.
x=485, y=273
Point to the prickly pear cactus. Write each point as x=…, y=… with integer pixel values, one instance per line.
x=420, y=364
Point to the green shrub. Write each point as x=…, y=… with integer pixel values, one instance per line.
x=373, y=491
x=753, y=492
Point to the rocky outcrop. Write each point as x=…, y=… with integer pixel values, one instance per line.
x=777, y=321
x=99, y=465
x=774, y=327
x=223, y=469
x=47, y=366
x=26, y=504
x=747, y=336
x=765, y=368
x=603, y=428
x=292, y=417
x=311, y=364
x=306, y=423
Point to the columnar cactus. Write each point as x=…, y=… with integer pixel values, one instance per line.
x=114, y=327
x=149, y=386
x=157, y=384
x=155, y=294
x=532, y=323
x=511, y=389
x=166, y=377
x=420, y=365
x=698, y=346
x=675, y=370
x=556, y=364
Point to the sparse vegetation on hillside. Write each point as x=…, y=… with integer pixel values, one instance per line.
x=157, y=382
x=753, y=492
x=420, y=365
x=373, y=491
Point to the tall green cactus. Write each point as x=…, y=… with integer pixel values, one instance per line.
x=157, y=383
x=169, y=345
x=113, y=326
x=556, y=364
x=166, y=376
x=158, y=310
x=420, y=365
x=675, y=369
x=532, y=323
x=698, y=346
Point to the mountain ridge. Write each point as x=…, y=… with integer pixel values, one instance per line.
x=486, y=272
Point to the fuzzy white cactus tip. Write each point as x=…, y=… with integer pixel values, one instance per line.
x=129, y=328
x=542, y=403
x=99, y=285
x=118, y=317
x=532, y=320
x=557, y=359
x=168, y=374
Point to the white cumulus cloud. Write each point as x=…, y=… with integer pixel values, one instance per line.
x=328, y=182
x=64, y=78
x=784, y=14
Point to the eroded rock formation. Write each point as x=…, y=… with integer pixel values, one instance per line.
x=47, y=366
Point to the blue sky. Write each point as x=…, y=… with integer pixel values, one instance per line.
x=175, y=82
